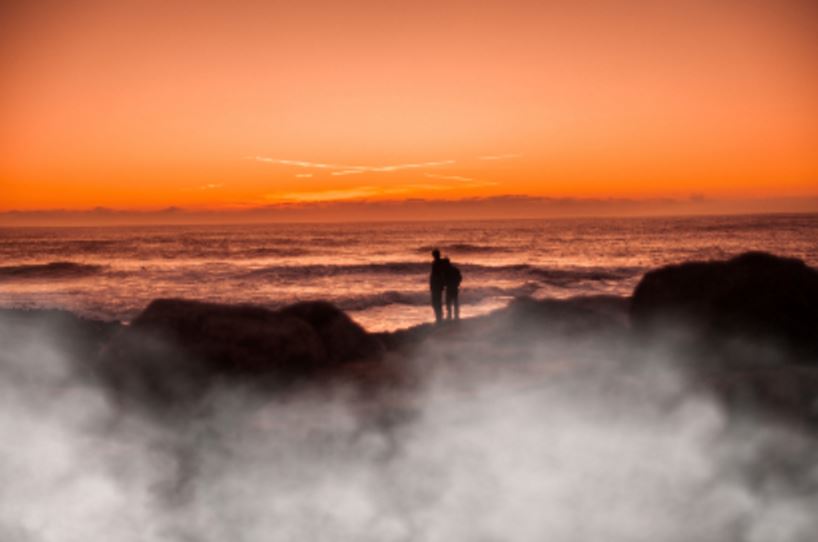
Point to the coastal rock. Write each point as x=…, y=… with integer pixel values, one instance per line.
x=234, y=339
x=343, y=340
x=176, y=348
x=755, y=295
x=787, y=391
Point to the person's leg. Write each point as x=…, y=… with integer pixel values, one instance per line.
x=456, y=300
x=437, y=304
x=448, y=304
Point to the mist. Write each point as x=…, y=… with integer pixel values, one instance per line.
x=533, y=438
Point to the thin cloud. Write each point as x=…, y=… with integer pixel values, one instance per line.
x=353, y=193
x=369, y=191
x=455, y=182
x=413, y=166
x=302, y=163
x=450, y=177
x=357, y=192
x=343, y=169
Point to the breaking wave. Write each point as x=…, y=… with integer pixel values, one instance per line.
x=464, y=248
x=419, y=298
x=51, y=270
x=551, y=275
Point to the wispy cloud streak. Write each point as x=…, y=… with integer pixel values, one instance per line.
x=357, y=192
x=369, y=191
x=343, y=169
x=449, y=177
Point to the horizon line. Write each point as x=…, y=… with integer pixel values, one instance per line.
x=289, y=205
x=497, y=208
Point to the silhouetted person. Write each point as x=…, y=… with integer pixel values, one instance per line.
x=453, y=278
x=437, y=281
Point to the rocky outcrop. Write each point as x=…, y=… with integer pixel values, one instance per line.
x=342, y=339
x=174, y=352
x=177, y=348
x=756, y=295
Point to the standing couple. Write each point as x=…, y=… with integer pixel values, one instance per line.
x=446, y=276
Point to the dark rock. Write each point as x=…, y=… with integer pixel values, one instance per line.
x=572, y=316
x=756, y=295
x=788, y=392
x=343, y=339
x=177, y=348
x=234, y=339
x=524, y=331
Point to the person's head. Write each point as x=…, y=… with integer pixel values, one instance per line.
x=436, y=254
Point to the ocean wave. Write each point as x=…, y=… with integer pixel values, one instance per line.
x=464, y=248
x=550, y=275
x=265, y=252
x=51, y=270
x=316, y=270
x=560, y=277
x=418, y=298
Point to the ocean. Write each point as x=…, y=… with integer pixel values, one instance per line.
x=377, y=272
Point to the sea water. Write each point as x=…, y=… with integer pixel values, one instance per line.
x=377, y=272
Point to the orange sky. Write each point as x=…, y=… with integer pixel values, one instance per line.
x=139, y=105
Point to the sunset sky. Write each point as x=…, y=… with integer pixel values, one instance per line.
x=240, y=105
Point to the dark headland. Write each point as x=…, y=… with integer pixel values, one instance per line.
x=744, y=329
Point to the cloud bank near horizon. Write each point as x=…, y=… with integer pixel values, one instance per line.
x=360, y=210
